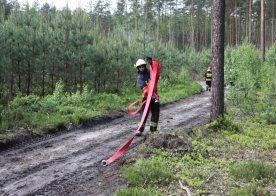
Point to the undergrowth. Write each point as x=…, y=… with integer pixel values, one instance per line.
x=148, y=172
x=216, y=164
x=254, y=171
x=251, y=190
x=137, y=192
x=59, y=110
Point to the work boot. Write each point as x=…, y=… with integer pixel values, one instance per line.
x=153, y=129
x=141, y=130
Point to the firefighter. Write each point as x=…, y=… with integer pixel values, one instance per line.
x=208, y=78
x=143, y=78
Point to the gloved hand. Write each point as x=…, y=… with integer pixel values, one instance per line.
x=149, y=60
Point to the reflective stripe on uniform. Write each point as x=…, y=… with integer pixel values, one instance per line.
x=153, y=124
x=208, y=75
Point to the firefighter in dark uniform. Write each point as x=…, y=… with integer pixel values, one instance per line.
x=143, y=78
x=208, y=78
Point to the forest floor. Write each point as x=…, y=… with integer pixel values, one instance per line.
x=70, y=163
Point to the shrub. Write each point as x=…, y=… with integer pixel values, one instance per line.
x=251, y=190
x=147, y=172
x=26, y=103
x=254, y=170
x=268, y=116
x=18, y=110
x=243, y=67
x=135, y=192
x=224, y=123
x=58, y=94
x=107, y=101
x=49, y=104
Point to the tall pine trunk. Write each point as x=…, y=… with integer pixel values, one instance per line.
x=217, y=108
x=158, y=20
x=272, y=22
x=250, y=21
x=262, y=35
x=192, y=41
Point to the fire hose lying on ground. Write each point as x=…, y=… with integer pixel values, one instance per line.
x=150, y=90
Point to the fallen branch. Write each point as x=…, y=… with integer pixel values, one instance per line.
x=185, y=188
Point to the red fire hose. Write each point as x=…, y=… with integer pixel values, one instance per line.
x=137, y=110
x=154, y=75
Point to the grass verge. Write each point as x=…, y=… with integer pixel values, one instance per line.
x=60, y=110
x=216, y=164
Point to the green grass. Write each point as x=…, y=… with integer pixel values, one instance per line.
x=254, y=171
x=254, y=135
x=224, y=124
x=251, y=190
x=147, y=172
x=136, y=192
x=178, y=91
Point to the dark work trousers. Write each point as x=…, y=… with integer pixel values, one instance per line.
x=154, y=108
x=209, y=83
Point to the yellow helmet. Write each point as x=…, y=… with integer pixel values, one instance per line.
x=140, y=62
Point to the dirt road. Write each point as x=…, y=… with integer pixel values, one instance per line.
x=69, y=164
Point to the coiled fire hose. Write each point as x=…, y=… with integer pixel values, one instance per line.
x=152, y=86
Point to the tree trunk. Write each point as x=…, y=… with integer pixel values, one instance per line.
x=81, y=77
x=232, y=31
x=183, y=33
x=175, y=29
x=29, y=78
x=12, y=93
x=43, y=79
x=19, y=76
x=170, y=26
x=165, y=19
x=52, y=78
x=158, y=21
x=1, y=87
x=250, y=22
x=192, y=44
x=205, y=39
x=217, y=108
x=262, y=36
x=236, y=23
x=272, y=22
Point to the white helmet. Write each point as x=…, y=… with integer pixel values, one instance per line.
x=139, y=63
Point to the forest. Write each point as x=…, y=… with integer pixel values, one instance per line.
x=60, y=68
x=41, y=45
x=96, y=47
